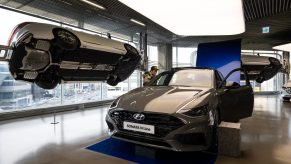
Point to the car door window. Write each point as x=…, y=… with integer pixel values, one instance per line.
x=162, y=79
x=224, y=81
x=219, y=77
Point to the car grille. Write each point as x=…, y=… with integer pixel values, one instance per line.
x=163, y=123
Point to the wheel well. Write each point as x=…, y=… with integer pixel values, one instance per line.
x=219, y=115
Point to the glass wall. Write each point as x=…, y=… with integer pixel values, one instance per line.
x=184, y=56
x=17, y=95
x=153, y=58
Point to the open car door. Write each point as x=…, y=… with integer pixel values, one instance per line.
x=235, y=101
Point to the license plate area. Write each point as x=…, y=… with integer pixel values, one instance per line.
x=150, y=129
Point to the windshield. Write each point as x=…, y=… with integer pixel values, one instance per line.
x=188, y=78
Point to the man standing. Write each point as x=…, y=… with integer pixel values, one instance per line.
x=149, y=75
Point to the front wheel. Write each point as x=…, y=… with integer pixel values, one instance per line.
x=65, y=39
x=130, y=49
x=113, y=80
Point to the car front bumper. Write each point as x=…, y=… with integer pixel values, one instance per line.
x=195, y=134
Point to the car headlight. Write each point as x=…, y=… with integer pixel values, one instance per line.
x=114, y=103
x=199, y=111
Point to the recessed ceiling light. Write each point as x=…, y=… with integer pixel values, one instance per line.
x=94, y=4
x=265, y=29
x=283, y=47
x=137, y=22
x=193, y=17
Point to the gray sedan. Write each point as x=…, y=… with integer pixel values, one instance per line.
x=180, y=109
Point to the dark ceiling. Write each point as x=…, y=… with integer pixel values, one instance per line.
x=115, y=19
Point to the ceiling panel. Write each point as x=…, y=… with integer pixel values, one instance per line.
x=116, y=20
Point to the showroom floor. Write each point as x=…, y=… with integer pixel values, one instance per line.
x=266, y=137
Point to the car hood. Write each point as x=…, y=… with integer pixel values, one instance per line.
x=160, y=99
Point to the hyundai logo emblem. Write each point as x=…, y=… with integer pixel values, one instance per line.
x=139, y=116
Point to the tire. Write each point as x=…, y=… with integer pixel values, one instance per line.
x=15, y=62
x=260, y=79
x=214, y=142
x=130, y=49
x=47, y=80
x=132, y=54
x=113, y=81
x=65, y=39
x=286, y=98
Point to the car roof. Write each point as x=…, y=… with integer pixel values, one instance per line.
x=184, y=68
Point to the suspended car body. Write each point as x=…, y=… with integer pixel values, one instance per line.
x=46, y=54
x=260, y=68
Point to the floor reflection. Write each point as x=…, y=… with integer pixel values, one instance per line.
x=24, y=137
x=266, y=136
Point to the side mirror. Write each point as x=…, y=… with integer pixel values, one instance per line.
x=232, y=84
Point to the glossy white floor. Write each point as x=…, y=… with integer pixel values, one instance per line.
x=266, y=137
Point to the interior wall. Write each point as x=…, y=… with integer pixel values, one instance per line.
x=165, y=56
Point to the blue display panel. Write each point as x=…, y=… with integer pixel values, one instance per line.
x=223, y=56
x=128, y=151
